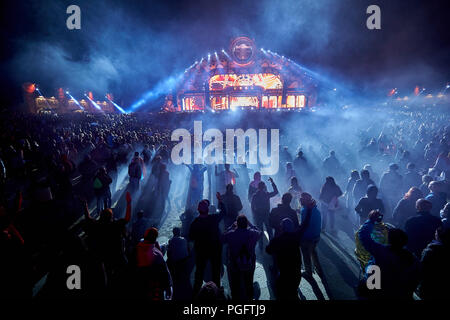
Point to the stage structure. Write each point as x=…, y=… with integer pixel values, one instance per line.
x=243, y=77
x=62, y=103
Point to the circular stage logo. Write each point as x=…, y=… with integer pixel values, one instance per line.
x=243, y=50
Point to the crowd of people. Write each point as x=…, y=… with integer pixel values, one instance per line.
x=67, y=181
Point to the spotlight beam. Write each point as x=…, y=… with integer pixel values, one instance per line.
x=75, y=100
x=116, y=105
x=93, y=103
x=40, y=93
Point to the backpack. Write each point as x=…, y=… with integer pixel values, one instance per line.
x=244, y=260
x=98, y=183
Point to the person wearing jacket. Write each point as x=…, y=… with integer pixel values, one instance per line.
x=368, y=203
x=421, y=228
x=311, y=236
x=205, y=233
x=406, y=207
x=329, y=195
x=102, y=180
x=261, y=208
x=283, y=210
x=232, y=204
x=400, y=269
x=241, y=238
x=153, y=277
x=285, y=249
x=437, y=197
x=360, y=186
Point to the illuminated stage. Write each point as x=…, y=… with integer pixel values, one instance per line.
x=243, y=78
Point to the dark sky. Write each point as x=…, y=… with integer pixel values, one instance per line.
x=128, y=47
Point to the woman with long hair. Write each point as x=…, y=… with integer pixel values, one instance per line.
x=329, y=194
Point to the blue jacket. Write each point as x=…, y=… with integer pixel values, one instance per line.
x=438, y=200
x=312, y=232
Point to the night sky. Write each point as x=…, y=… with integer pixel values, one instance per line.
x=128, y=47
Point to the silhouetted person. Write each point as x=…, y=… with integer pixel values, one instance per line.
x=261, y=208
x=331, y=165
x=106, y=239
x=205, y=233
x=421, y=228
x=241, y=238
x=435, y=265
x=368, y=203
x=311, y=235
x=225, y=177
x=412, y=178
x=295, y=190
x=426, y=179
x=102, y=190
x=360, y=187
x=329, y=194
x=253, y=186
x=350, y=200
x=177, y=261
x=286, y=252
x=406, y=207
x=233, y=206
x=282, y=211
x=195, y=192
x=138, y=228
x=135, y=172
x=391, y=186
x=399, y=268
